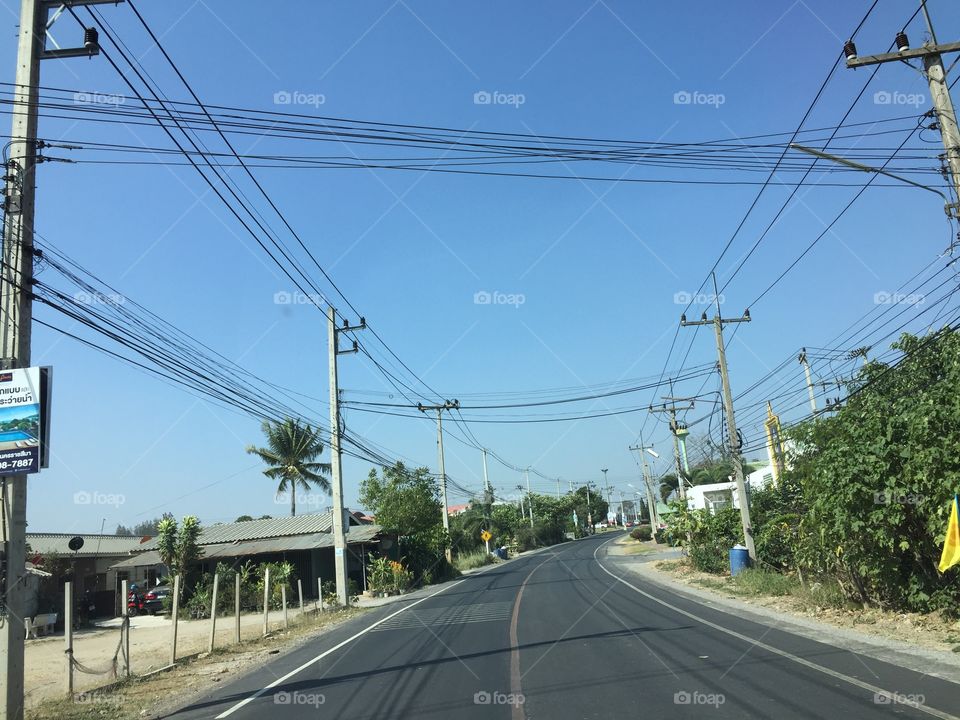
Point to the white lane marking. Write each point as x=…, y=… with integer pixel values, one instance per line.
x=336, y=647
x=777, y=651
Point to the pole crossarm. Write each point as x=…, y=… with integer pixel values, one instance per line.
x=923, y=51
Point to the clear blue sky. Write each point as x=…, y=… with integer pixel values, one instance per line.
x=599, y=264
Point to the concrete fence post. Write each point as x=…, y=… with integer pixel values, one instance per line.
x=213, y=612
x=68, y=632
x=236, y=608
x=266, y=601
x=174, y=616
x=300, y=593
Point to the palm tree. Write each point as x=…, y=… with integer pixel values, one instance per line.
x=290, y=454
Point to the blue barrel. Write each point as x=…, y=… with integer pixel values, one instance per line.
x=739, y=559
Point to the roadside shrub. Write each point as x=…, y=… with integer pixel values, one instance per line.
x=642, y=533
x=526, y=538
x=469, y=561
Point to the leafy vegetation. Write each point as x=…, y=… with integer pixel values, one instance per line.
x=861, y=513
x=407, y=504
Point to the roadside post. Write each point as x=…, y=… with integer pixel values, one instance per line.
x=174, y=616
x=266, y=602
x=68, y=631
x=236, y=608
x=213, y=611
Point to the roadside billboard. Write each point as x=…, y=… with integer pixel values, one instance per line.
x=24, y=420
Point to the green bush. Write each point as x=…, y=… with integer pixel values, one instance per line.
x=642, y=533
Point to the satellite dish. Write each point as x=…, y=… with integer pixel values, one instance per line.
x=75, y=543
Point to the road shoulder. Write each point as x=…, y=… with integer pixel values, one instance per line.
x=940, y=664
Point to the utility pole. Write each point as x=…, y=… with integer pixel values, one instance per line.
x=651, y=500
x=16, y=311
x=487, y=497
x=932, y=56
x=806, y=371
x=606, y=489
x=671, y=410
x=718, y=323
x=623, y=514
x=526, y=475
x=558, y=488
x=340, y=527
x=589, y=508
x=447, y=405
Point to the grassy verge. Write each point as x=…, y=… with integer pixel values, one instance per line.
x=473, y=560
x=161, y=692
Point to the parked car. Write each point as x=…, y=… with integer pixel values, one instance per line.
x=153, y=599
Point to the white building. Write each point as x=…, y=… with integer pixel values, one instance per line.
x=720, y=495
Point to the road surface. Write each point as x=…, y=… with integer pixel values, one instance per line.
x=568, y=633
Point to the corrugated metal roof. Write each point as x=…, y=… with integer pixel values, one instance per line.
x=259, y=529
x=93, y=545
x=358, y=534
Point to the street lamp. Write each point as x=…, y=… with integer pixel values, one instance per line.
x=949, y=208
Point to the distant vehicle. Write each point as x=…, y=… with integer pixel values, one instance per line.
x=153, y=599
x=628, y=524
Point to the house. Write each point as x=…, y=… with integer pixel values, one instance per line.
x=716, y=496
x=91, y=567
x=305, y=541
x=454, y=510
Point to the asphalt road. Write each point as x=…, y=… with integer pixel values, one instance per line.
x=557, y=635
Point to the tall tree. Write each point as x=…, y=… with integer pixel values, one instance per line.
x=290, y=454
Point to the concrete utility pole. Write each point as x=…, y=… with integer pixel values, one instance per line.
x=589, y=509
x=806, y=371
x=651, y=500
x=340, y=525
x=606, y=489
x=526, y=475
x=718, y=323
x=447, y=405
x=670, y=408
x=932, y=55
x=16, y=311
x=487, y=497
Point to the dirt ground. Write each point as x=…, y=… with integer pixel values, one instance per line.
x=164, y=692
x=930, y=630
x=150, y=638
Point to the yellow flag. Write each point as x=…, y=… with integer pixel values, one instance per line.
x=951, y=543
